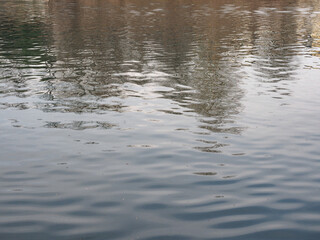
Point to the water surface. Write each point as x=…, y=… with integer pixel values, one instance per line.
x=160, y=119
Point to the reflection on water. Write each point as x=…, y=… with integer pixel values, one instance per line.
x=130, y=119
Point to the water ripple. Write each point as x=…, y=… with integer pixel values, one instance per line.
x=159, y=119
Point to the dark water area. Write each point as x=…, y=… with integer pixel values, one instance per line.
x=160, y=119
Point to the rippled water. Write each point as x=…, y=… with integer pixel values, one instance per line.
x=160, y=119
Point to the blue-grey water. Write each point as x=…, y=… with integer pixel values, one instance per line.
x=160, y=119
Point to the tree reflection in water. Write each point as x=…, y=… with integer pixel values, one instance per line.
x=97, y=55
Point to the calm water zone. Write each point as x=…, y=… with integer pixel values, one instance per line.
x=160, y=119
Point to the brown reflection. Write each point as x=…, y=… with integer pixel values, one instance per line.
x=275, y=42
x=311, y=25
x=106, y=51
x=200, y=44
x=106, y=43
